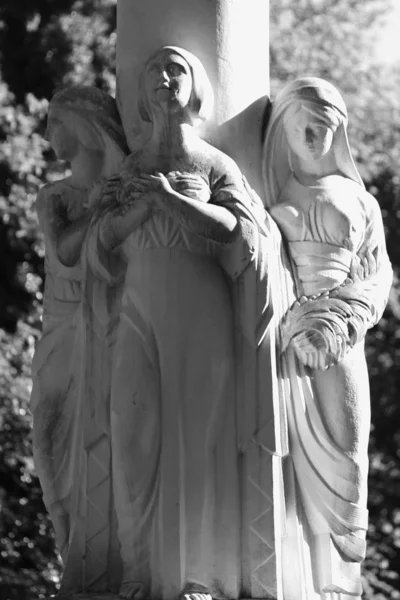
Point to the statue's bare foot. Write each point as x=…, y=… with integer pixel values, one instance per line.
x=195, y=596
x=195, y=591
x=133, y=590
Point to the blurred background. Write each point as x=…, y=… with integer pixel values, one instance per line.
x=45, y=44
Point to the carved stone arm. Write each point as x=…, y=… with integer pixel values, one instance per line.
x=118, y=223
x=64, y=236
x=323, y=328
x=208, y=220
x=70, y=240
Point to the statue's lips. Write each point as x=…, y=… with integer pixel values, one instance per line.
x=166, y=92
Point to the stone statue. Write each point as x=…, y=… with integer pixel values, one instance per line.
x=184, y=415
x=200, y=397
x=336, y=247
x=70, y=445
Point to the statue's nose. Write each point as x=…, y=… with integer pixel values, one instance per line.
x=310, y=137
x=164, y=76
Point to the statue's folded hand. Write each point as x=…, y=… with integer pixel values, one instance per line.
x=108, y=192
x=190, y=185
x=148, y=188
x=317, y=328
x=130, y=191
x=314, y=350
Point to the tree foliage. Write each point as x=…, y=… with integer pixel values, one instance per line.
x=45, y=44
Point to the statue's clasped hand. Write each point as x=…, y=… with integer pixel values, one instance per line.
x=153, y=188
x=109, y=190
x=158, y=188
x=190, y=185
x=316, y=327
x=130, y=191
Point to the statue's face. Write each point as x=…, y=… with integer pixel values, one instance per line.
x=61, y=136
x=168, y=81
x=309, y=136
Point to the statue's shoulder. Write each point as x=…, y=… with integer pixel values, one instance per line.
x=46, y=191
x=52, y=191
x=219, y=162
x=369, y=205
x=374, y=234
x=353, y=198
x=370, y=202
x=44, y=196
x=130, y=160
x=132, y=163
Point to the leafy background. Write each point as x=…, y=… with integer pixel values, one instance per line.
x=48, y=43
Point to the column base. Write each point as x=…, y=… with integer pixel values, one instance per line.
x=85, y=596
x=114, y=596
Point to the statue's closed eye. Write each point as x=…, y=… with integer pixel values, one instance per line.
x=174, y=69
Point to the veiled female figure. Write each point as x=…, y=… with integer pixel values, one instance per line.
x=336, y=245
x=84, y=129
x=173, y=405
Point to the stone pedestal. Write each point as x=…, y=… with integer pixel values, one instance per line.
x=105, y=596
x=87, y=596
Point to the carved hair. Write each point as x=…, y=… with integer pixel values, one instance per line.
x=95, y=105
x=202, y=96
x=323, y=100
x=94, y=118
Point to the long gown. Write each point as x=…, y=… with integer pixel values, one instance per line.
x=70, y=406
x=190, y=441
x=329, y=229
x=55, y=369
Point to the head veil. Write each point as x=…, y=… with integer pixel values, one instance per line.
x=275, y=160
x=202, y=97
x=94, y=105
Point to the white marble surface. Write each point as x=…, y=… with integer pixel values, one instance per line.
x=161, y=398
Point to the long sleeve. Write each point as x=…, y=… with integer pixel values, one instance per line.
x=108, y=265
x=325, y=328
x=371, y=270
x=231, y=190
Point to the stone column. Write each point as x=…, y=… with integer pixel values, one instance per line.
x=231, y=39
